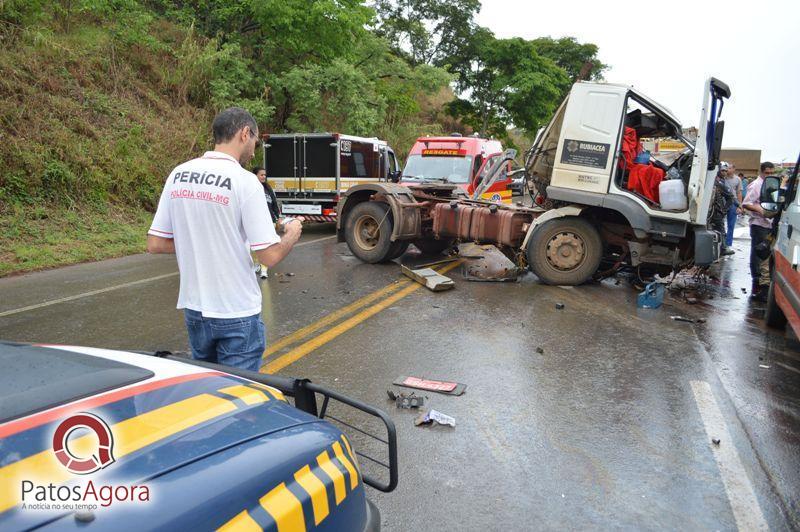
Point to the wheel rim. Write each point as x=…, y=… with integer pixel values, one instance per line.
x=566, y=251
x=367, y=232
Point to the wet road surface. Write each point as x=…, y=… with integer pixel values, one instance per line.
x=609, y=424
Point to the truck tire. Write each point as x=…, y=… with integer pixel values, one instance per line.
x=774, y=316
x=430, y=246
x=565, y=251
x=368, y=231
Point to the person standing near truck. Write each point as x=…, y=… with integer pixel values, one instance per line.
x=722, y=201
x=734, y=184
x=211, y=215
x=274, y=210
x=760, y=228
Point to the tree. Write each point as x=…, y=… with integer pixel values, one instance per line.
x=427, y=31
x=506, y=82
x=571, y=55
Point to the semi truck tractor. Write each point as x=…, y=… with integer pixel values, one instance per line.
x=600, y=201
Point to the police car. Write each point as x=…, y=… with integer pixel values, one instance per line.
x=121, y=440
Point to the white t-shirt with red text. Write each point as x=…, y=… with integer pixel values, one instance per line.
x=214, y=210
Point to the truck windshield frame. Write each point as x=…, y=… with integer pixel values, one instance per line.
x=451, y=169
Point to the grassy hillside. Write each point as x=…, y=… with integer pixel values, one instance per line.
x=89, y=128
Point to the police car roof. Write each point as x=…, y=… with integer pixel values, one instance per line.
x=35, y=378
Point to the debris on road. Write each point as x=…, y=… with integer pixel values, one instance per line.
x=449, y=388
x=487, y=263
x=540, y=350
x=429, y=278
x=405, y=400
x=764, y=366
x=652, y=296
x=691, y=300
x=715, y=441
x=559, y=306
x=688, y=320
x=434, y=415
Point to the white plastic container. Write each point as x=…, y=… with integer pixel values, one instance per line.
x=672, y=195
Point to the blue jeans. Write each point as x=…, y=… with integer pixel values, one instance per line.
x=236, y=342
x=731, y=224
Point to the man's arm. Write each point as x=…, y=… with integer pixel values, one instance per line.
x=272, y=255
x=157, y=244
x=751, y=202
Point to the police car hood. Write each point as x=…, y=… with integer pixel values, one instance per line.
x=178, y=415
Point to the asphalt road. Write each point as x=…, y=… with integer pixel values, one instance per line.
x=608, y=424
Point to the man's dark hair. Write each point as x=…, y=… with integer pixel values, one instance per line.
x=766, y=165
x=741, y=174
x=257, y=169
x=229, y=122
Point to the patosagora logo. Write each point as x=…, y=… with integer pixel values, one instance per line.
x=104, y=455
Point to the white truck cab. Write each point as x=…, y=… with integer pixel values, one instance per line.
x=591, y=156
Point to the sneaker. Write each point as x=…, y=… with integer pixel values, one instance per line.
x=258, y=269
x=263, y=271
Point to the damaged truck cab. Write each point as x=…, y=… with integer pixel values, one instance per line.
x=602, y=200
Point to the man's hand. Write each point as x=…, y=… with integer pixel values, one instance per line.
x=293, y=231
x=277, y=252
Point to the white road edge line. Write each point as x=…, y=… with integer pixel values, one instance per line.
x=117, y=287
x=741, y=496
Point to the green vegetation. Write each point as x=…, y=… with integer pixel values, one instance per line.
x=99, y=99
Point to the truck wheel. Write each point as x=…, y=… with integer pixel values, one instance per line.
x=774, y=316
x=432, y=246
x=368, y=230
x=398, y=248
x=565, y=251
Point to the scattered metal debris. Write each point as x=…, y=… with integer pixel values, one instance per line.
x=449, y=388
x=688, y=320
x=715, y=441
x=559, y=306
x=487, y=263
x=764, y=366
x=429, y=278
x=434, y=415
x=290, y=274
x=406, y=400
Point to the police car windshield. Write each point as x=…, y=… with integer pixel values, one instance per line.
x=451, y=169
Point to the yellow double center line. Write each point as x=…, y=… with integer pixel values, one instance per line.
x=405, y=288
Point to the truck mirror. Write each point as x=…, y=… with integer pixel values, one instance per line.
x=770, y=190
x=394, y=177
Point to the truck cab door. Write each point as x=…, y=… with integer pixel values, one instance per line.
x=480, y=175
x=706, y=151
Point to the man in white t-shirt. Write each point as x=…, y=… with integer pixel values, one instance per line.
x=211, y=215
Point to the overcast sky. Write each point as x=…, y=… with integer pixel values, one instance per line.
x=667, y=49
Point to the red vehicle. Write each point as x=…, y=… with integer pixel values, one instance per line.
x=463, y=161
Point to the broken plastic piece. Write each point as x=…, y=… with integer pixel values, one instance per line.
x=450, y=388
x=559, y=306
x=433, y=415
x=429, y=278
x=715, y=441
